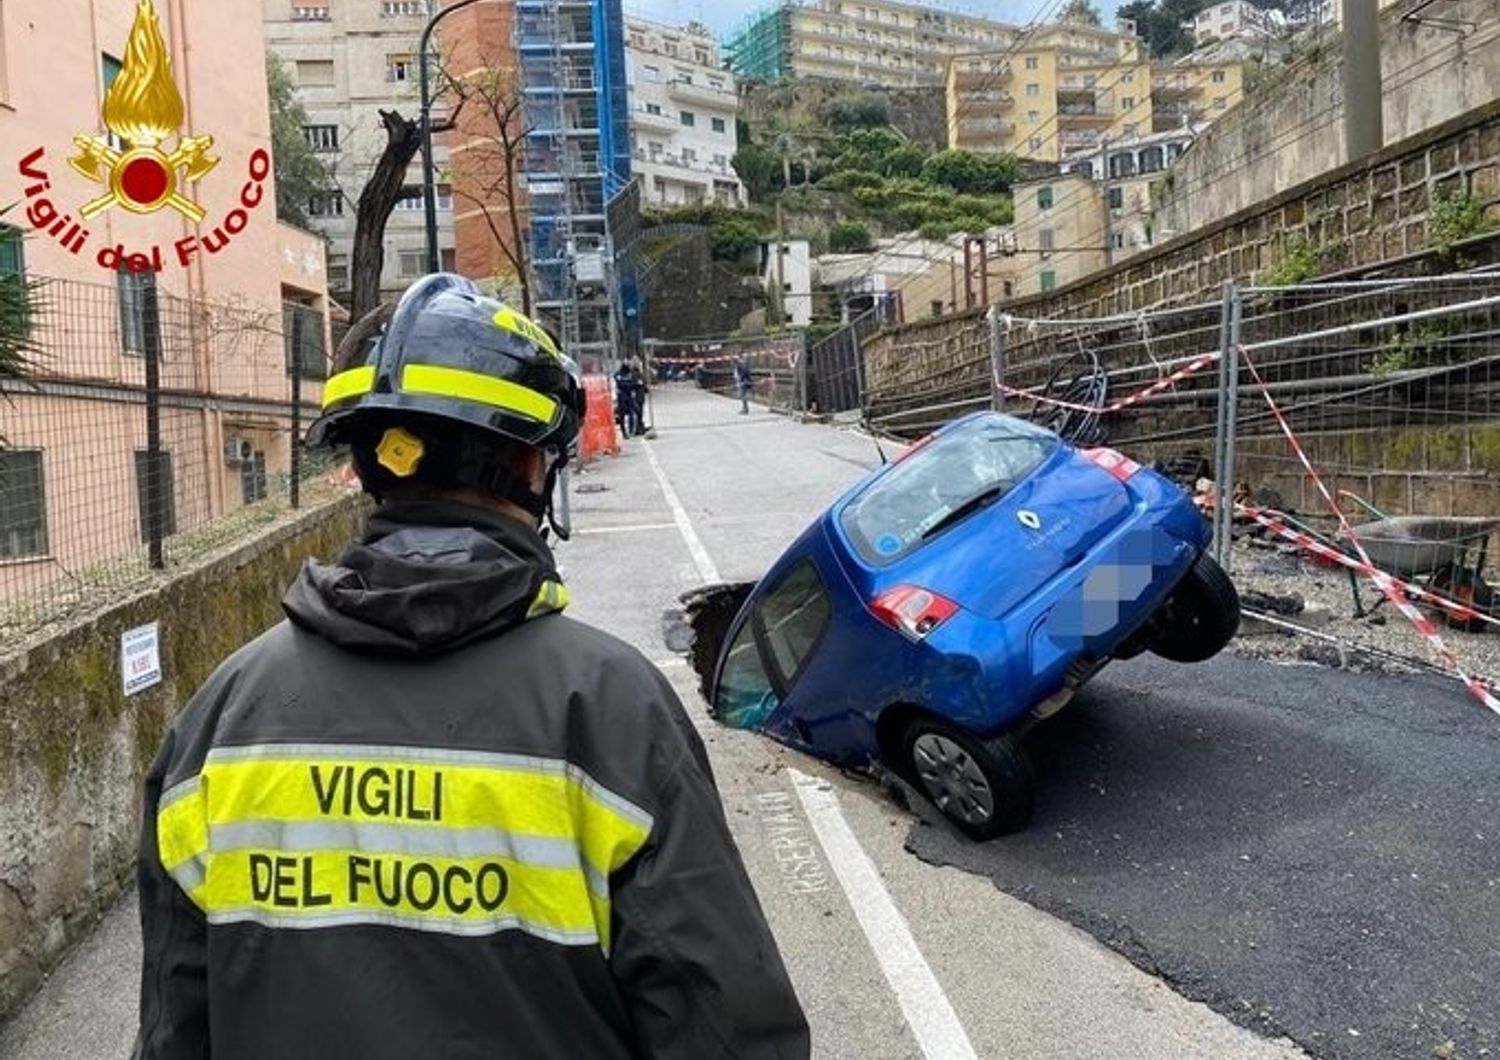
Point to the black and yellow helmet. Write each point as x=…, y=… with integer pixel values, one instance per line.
x=430, y=390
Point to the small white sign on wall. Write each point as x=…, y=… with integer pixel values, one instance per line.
x=140, y=658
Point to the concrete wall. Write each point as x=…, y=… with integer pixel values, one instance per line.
x=1293, y=131
x=74, y=749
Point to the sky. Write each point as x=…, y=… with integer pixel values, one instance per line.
x=722, y=16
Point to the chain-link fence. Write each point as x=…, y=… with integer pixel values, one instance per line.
x=150, y=429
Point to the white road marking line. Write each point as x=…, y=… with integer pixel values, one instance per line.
x=633, y=528
x=701, y=559
x=928, y=1012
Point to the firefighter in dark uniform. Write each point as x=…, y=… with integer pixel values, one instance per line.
x=428, y=815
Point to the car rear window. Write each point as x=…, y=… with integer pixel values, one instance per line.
x=989, y=453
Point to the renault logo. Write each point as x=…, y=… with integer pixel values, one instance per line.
x=1030, y=520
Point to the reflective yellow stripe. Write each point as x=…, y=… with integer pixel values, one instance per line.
x=314, y=835
x=472, y=386
x=348, y=384
x=516, y=324
x=550, y=598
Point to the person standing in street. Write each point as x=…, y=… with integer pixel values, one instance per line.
x=630, y=393
x=744, y=382
x=428, y=815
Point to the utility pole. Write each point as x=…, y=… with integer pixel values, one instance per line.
x=780, y=299
x=1109, y=213
x=1363, y=130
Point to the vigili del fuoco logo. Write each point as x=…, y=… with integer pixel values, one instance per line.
x=133, y=167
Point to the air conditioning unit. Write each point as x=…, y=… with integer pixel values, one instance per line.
x=238, y=451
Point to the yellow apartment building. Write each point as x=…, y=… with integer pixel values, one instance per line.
x=1072, y=88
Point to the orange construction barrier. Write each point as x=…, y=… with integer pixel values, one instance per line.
x=598, y=434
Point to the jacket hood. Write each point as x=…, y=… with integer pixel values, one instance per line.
x=427, y=578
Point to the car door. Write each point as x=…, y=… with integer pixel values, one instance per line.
x=768, y=653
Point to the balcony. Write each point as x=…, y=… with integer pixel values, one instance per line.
x=702, y=95
x=984, y=128
x=988, y=101
x=1080, y=114
x=644, y=119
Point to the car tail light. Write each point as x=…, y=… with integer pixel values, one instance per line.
x=1117, y=464
x=912, y=610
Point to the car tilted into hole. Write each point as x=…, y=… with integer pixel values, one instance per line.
x=960, y=594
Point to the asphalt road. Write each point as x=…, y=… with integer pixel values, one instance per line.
x=895, y=957
x=1311, y=852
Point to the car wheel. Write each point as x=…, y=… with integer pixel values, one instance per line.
x=1199, y=618
x=984, y=787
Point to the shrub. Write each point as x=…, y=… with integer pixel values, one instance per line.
x=849, y=237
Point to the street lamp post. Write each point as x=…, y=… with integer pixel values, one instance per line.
x=429, y=187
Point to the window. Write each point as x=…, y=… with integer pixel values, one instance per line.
x=895, y=514
x=1036, y=143
x=1129, y=79
x=700, y=56
x=316, y=13
x=1119, y=240
x=400, y=8
x=716, y=84
x=719, y=125
x=1033, y=116
x=684, y=76
x=253, y=477
x=109, y=69
x=448, y=259
x=651, y=73
x=1046, y=241
x=302, y=341
x=322, y=137
x=687, y=118
x=1219, y=103
x=1127, y=103
x=133, y=288
x=315, y=73
x=412, y=201
x=779, y=635
x=1218, y=77
x=1032, y=62
x=1044, y=198
x=1129, y=129
x=411, y=263
x=1008, y=289
x=338, y=272
x=1049, y=280
x=23, y=504
x=326, y=204
x=936, y=305
x=1033, y=90
x=143, y=492
x=689, y=156
x=13, y=275
x=721, y=161
x=653, y=108
x=400, y=68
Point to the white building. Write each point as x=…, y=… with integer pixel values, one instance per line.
x=682, y=110
x=795, y=275
x=1236, y=19
x=349, y=62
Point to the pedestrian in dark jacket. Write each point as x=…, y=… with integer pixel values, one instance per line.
x=428, y=815
x=630, y=397
x=744, y=382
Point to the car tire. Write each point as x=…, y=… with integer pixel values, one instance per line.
x=983, y=786
x=1200, y=617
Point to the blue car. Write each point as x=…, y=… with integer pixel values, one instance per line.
x=959, y=595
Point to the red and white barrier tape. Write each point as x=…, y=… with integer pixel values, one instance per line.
x=789, y=356
x=1164, y=383
x=1275, y=522
x=1388, y=585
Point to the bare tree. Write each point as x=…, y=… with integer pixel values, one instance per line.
x=487, y=176
x=403, y=139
